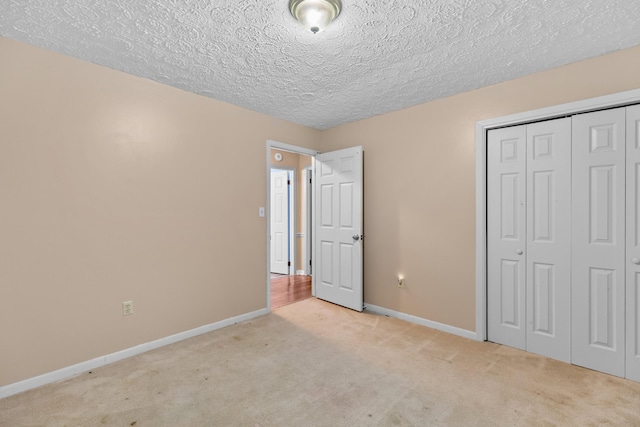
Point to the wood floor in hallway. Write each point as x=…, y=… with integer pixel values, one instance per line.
x=286, y=290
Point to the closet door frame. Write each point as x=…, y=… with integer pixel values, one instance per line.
x=482, y=127
x=632, y=365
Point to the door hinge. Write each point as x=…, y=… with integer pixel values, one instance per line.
x=288, y=182
x=289, y=264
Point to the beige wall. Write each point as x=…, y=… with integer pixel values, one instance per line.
x=117, y=188
x=420, y=183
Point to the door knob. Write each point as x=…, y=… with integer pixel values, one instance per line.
x=519, y=251
x=635, y=260
x=356, y=237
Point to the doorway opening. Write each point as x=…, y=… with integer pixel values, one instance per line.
x=290, y=225
x=336, y=224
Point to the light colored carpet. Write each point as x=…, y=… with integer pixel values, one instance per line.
x=315, y=364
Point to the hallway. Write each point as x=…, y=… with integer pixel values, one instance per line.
x=286, y=290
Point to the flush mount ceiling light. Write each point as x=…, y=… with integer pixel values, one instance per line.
x=315, y=15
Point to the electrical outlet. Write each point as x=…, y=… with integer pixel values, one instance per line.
x=401, y=282
x=127, y=308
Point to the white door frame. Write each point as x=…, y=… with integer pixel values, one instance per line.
x=602, y=102
x=291, y=212
x=307, y=191
x=293, y=149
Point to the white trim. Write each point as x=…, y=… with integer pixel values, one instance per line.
x=77, y=369
x=293, y=149
x=607, y=101
x=288, y=147
x=421, y=321
x=293, y=217
x=300, y=272
x=307, y=174
x=314, y=227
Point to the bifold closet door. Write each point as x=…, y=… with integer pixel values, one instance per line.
x=506, y=236
x=633, y=244
x=548, y=251
x=563, y=239
x=529, y=240
x=598, y=241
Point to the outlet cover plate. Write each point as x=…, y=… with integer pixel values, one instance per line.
x=127, y=308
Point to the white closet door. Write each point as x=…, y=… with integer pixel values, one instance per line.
x=633, y=244
x=506, y=228
x=548, y=254
x=598, y=241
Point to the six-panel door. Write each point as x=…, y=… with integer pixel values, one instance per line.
x=338, y=268
x=506, y=236
x=598, y=236
x=548, y=254
x=279, y=221
x=633, y=244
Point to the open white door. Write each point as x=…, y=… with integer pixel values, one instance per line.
x=339, y=233
x=279, y=221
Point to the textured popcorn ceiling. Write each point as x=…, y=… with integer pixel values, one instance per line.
x=378, y=56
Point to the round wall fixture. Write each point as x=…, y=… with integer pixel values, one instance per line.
x=278, y=157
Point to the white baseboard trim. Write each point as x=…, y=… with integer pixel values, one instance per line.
x=300, y=272
x=420, y=321
x=73, y=370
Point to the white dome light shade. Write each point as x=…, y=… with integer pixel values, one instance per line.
x=315, y=15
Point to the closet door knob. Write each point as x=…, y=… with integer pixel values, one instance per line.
x=519, y=252
x=635, y=260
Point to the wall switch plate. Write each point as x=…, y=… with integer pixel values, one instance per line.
x=127, y=308
x=261, y=212
x=401, y=282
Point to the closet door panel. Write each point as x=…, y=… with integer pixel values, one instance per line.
x=598, y=241
x=506, y=229
x=548, y=254
x=633, y=244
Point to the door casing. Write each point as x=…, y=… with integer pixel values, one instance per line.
x=307, y=193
